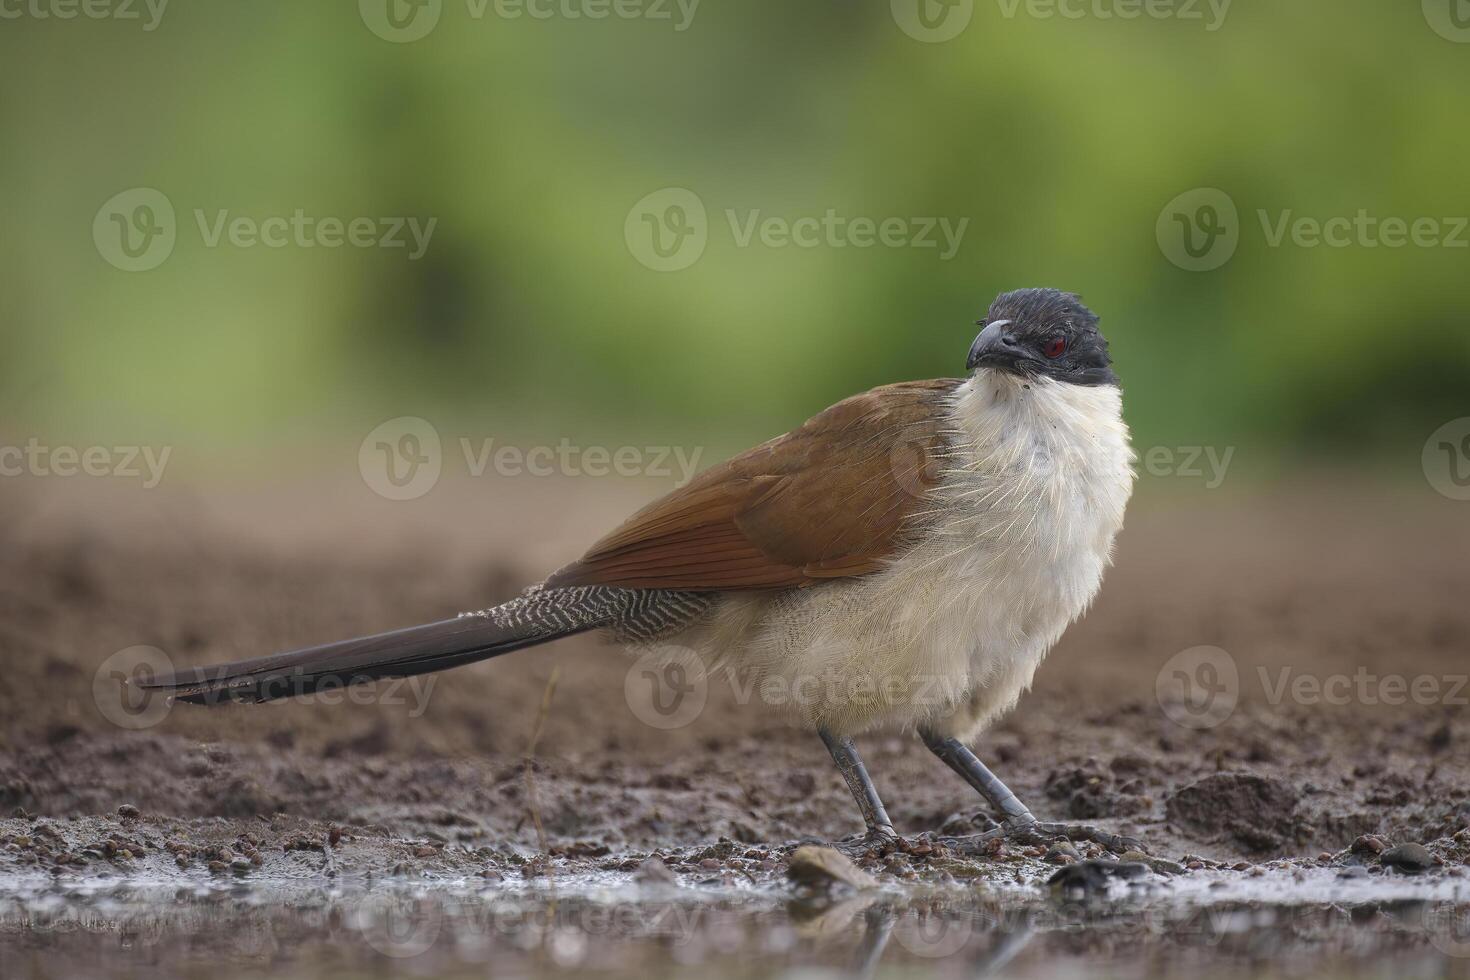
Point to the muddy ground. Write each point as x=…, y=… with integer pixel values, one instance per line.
x=1340, y=606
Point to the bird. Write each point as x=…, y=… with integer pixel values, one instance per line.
x=905, y=558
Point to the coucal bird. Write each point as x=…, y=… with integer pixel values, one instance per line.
x=905, y=559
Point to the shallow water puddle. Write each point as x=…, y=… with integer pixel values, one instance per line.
x=1216, y=924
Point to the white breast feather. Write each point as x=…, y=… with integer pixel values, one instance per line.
x=1036, y=479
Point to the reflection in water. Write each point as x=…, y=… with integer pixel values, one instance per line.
x=207, y=928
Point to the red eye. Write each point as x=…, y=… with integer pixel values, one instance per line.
x=1056, y=347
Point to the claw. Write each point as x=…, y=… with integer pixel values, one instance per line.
x=878, y=839
x=1037, y=832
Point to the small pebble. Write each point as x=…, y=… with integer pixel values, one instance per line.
x=823, y=867
x=1408, y=858
x=1368, y=844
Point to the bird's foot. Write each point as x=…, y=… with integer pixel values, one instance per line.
x=878, y=839
x=1041, y=833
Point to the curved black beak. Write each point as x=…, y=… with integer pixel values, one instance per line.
x=993, y=346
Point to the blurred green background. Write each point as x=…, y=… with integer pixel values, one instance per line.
x=530, y=139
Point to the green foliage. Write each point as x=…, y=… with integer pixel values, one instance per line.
x=1060, y=140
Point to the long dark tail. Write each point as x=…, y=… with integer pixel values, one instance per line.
x=536, y=617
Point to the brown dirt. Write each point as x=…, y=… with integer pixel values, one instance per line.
x=1321, y=583
x=1316, y=580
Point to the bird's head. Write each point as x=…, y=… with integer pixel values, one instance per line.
x=1043, y=333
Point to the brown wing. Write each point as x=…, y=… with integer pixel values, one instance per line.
x=831, y=499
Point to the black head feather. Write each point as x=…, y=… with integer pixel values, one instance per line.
x=1043, y=333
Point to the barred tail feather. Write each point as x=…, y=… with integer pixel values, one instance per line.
x=537, y=617
x=540, y=615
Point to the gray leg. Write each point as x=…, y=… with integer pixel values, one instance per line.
x=859, y=784
x=973, y=771
x=1018, y=821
